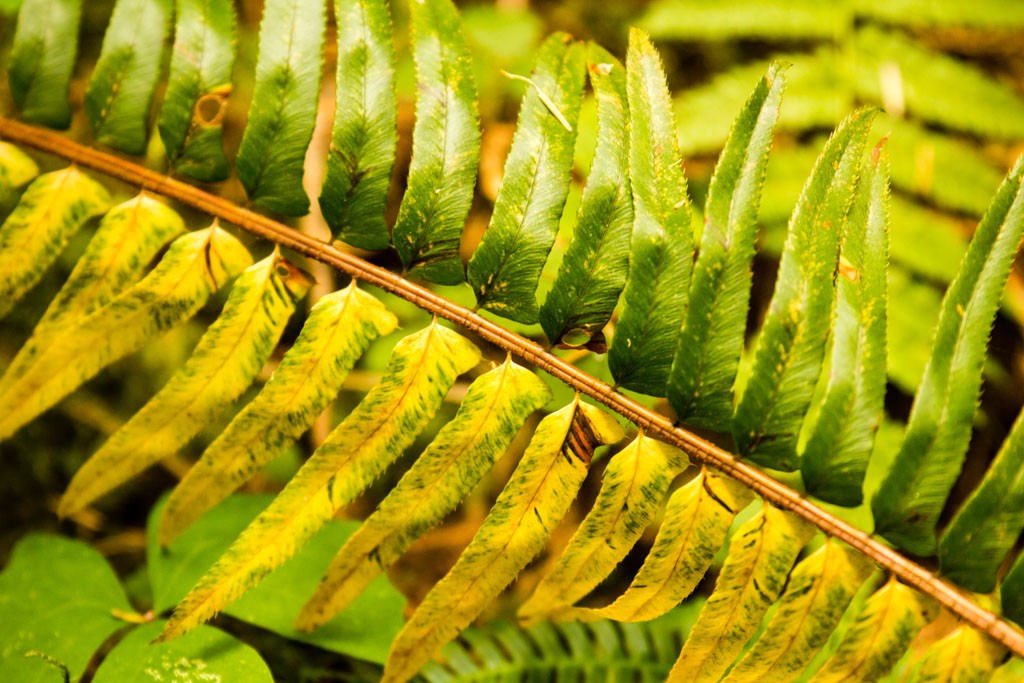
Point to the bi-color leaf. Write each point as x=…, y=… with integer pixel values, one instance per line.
x=17, y=170
x=195, y=266
x=53, y=208
x=708, y=349
x=192, y=115
x=224, y=363
x=122, y=85
x=128, y=238
x=791, y=344
x=879, y=636
x=364, y=135
x=340, y=327
x=537, y=496
x=988, y=525
x=593, y=271
x=506, y=266
x=761, y=553
x=842, y=425
x=661, y=250
x=284, y=105
x=632, y=489
x=445, y=146
x=910, y=498
x=43, y=58
x=423, y=367
x=696, y=524
x=495, y=407
x=964, y=656
x=818, y=592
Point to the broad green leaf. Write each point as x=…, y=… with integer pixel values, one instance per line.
x=532, y=504
x=445, y=147
x=791, y=345
x=495, y=407
x=222, y=366
x=987, y=526
x=195, y=266
x=817, y=96
x=995, y=14
x=661, y=250
x=339, y=329
x=206, y=655
x=43, y=58
x=53, y=208
x=506, y=266
x=57, y=597
x=964, y=656
x=632, y=490
x=817, y=593
x=128, y=238
x=422, y=369
x=841, y=426
x=192, y=114
x=364, y=135
x=697, y=520
x=284, y=105
x=935, y=86
x=363, y=630
x=121, y=88
x=883, y=630
x=761, y=554
x=735, y=19
x=708, y=349
x=593, y=270
x=17, y=170
x=911, y=497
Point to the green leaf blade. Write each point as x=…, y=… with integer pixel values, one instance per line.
x=910, y=498
x=364, y=134
x=791, y=344
x=661, y=251
x=709, y=345
x=835, y=457
x=121, y=89
x=593, y=271
x=285, y=98
x=191, y=117
x=43, y=59
x=505, y=269
x=445, y=147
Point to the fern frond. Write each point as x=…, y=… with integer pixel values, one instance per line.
x=43, y=58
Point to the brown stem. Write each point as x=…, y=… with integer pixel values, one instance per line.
x=652, y=423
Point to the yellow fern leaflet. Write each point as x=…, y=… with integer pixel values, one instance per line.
x=128, y=238
x=819, y=591
x=16, y=171
x=195, y=266
x=52, y=209
x=964, y=656
x=224, y=363
x=495, y=407
x=533, y=502
x=890, y=620
x=339, y=329
x=697, y=520
x=761, y=553
x=422, y=368
x=634, y=484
